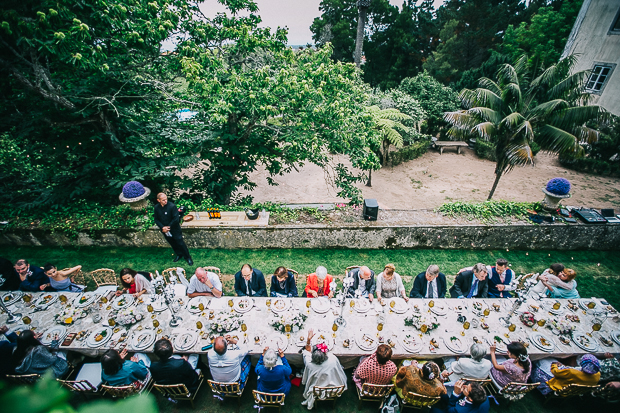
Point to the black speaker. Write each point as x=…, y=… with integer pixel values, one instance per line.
x=371, y=209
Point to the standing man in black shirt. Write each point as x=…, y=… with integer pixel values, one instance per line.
x=167, y=219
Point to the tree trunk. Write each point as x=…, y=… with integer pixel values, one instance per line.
x=369, y=178
x=497, y=176
x=359, y=39
x=384, y=155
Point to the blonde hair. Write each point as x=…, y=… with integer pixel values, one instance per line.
x=570, y=274
x=389, y=269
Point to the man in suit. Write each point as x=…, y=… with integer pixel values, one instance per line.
x=466, y=398
x=32, y=278
x=364, y=280
x=429, y=284
x=167, y=219
x=471, y=283
x=500, y=279
x=9, y=280
x=250, y=282
x=174, y=369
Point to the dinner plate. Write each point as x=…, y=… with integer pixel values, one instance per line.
x=584, y=342
x=320, y=305
x=18, y=328
x=193, y=304
x=583, y=303
x=85, y=299
x=122, y=301
x=400, y=305
x=362, y=305
x=322, y=337
x=141, y=340
x=103, y=334
x=48, y=336
x=186, y=340
x=243, y=305
x=500, y=346
x=605, y=339
x=456, y=344
x=12, y=297
x=439, y=308
x=280, y=305
x=365, y=341
x=277, y=342
x=45, y=300
x=411, y=342
x=158, y=305
x=548, y=306
x=535, y=339
x=615, y=336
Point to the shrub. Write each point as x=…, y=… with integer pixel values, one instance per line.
x=485, y=149
x=558, y=186
x=408, y=153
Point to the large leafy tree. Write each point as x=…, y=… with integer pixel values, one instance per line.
x=522, y=106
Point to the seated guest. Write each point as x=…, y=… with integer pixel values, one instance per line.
x=32, y=278
x=554, y=376
x=425, y=380
x=32, y=357
x=273, y=378
x=250, y=282
x=476, y=367
x=471, y=283
x=610, y=368
x=204, y=283
x=321, y=369
x=228, y=365
x=319, y=284
x=6, y=351
x=561, y=286
x=135, y=283
x=539, y=289
x=376, y=369
x=466, y=398
x=429, y=284
x=516, y=368
x=500, y=279
x=61, y=280
x=9, y=280
x=116, y=371
x=283, y=283
x=174, y=369
x=389, y=284
x=363, y=282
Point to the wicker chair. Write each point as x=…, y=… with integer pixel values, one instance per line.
x=514, y=391
x=82, y=387
x=373, y=393
x=78, y=277
x=571, y=390
x=105, y=279
x=418, y=401
x=295, y=274
x=178, y=391
x=330, y=393
x=166, y=274
x=27, y=379
x=348, y=269
x=215, y=270
x=607, y=393
x=230, y=390
x=122, y=392
x=269, y=399
x=486, y=384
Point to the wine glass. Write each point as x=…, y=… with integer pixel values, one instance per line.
x=111, y=322
x=149, y=308
x=62, y=299
x=287, y=328
x=27, y=298
x=597, y=323
x=466, y=325
x=512, y=328
x=431, y=303
x=26, y=320
x=486, y=312
x=201, y=306
x=308, y=304
x=199, y=325
x=334, y=329
x=351, y=305
x=268, y=302
x=155, y=323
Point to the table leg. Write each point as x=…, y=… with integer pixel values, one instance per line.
x=458, y=150
x=441, y=150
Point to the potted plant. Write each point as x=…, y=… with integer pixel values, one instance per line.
x=135, y=194
x=556, y=190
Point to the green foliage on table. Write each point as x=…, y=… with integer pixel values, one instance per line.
x=523, y=104
x=489, y=211
x=48, y=396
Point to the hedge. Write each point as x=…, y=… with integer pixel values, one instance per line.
x=593, y=166
x=413, y=151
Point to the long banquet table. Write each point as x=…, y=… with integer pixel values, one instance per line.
x=257, y=321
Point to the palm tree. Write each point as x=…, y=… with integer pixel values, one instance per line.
x=514, y=110
x=362, y=7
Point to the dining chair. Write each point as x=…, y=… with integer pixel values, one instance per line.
x=215, y=270
x=81, y=387
x=348, y=269
x=230, y=390
x=179, y=391
x=329, y=393
x=416, y=401
x=174, y=271
x=23, y=378
x=295, y=274
x=485, y=383
x=373, y=393
x=569, y=391
x=78, y=278
x=607, y=393
x=122, y=392
x=263, y=399
x=514, y=391
x=105, y=279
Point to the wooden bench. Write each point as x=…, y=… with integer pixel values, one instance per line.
x=444, y=144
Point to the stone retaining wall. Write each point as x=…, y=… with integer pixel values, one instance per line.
x=523, y=237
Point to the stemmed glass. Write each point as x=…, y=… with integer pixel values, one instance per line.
x=308, y=304
x=287, y=328
x=335, y=328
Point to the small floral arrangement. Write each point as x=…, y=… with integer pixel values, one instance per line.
x=564, y=326
x=322, y=347
x=128, y=316
x=133, y=189
x=69, y=315
x=558, y=186
x=527, y=318
x=225, y=323
x=294, y=319
x=424, y=323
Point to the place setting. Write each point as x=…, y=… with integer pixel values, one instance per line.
x=185, y=340
x=320, y=305
x=398, y=305
x=366, y=341
x=584, y=342
x=12, y=297
x=455, y=344
x=360, y=305
x=85, y=299
x=542, y=342
x=438, y=308
x=198, y=304
x=99, y=337
x=122, y=301
x=57, y=332
x=280, y=305
x=45, y=300
x=141, y=340
x=243, y=304
x=411, y=342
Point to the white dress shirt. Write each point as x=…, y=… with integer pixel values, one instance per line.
x=227, y=368
x=195, y=286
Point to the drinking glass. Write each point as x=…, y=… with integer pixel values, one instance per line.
x=287, y=328
x=199, y=325
x=308, y=304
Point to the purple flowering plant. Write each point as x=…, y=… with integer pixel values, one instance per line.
x=133, y=189
x=558, y=186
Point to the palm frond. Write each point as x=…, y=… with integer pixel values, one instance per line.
x=513, y=120
x=486, y=83
x=486, y=130
x=507, y=74
x=587, y=135
x=564, y=87
x=393, y=136
x=519, y=154
x=486, y=114
x=481, y=97
x=461, y=120
x=393, y=114
x=527, y=130
x=512, y=95
x=558, y=140
x=546, y=108
x=575, y=116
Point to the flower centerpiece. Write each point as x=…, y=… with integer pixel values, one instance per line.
x=423, y=322
x=562, y=326
x=556, y=190
x=294, y=319
x=225, y=323
x=128, y=316
x=134, y=193
x=527, y=318
x=69, y=315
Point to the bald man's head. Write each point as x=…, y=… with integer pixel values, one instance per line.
x=365, y=273
x=220, y=346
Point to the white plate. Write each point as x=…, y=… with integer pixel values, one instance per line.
x=192, y=305
x=91, y=342
x=535, y=340
x=458, y=346
x=583, y=303
x=320, y=305
x=243, y=304
x=13, y=297
x=322, y=337
x=141, y=340
x=400, y=305
x=90, y=298
x=362, y=305
x=584, y=342
x=411, y=342
x=18, y=328
x=186, y=340
x=439, y=308
x=548, y=306
x=615, y=336
x=500, y=347
x=366, y=342
x=122, y=301
x=45, y=300
x=277, y=342
x=280, y=305
x=48, y=336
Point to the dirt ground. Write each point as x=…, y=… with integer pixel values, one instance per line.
x=433, y=179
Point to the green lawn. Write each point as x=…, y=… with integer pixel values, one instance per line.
x=597, y=271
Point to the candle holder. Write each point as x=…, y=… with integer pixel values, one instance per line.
x=341, y=299
x=13, y=317
x=166, y=291
x=522, y=295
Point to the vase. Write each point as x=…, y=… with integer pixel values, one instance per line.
x=552, y=201
x=137, y=202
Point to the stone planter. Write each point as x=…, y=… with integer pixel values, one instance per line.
x=138, y=202
x=552, y=201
